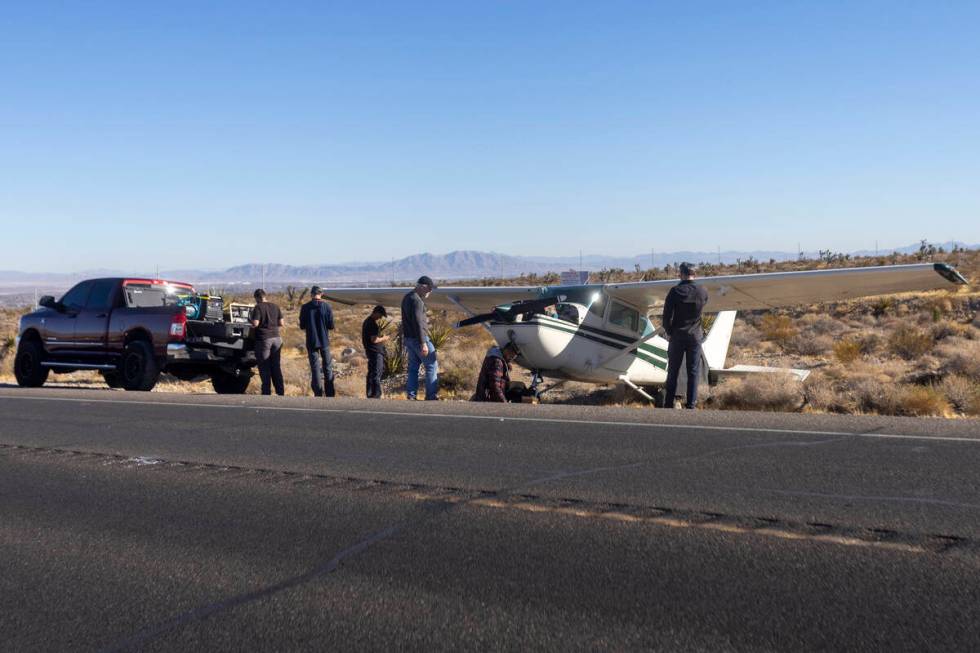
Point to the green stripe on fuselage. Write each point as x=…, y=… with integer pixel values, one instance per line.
x=643, y=351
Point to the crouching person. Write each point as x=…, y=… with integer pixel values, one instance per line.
x=494, y=381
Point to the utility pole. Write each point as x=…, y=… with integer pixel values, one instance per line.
x=719, y=254
x=876, y=248
x=580, y=259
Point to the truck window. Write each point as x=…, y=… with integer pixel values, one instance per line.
x=100, y=299
x=624, y=316
x=147, y=296
x=75, y=298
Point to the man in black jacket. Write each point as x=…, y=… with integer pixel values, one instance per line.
x=682, y=323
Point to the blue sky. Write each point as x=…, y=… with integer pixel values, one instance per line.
x=172, y=134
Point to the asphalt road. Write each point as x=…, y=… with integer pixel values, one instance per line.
x=134, y=521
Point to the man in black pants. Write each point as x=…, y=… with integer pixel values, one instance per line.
x=374, y=349
x=266, y=320
x=682, y=322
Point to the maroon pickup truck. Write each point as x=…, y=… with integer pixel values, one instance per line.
x=132, y=330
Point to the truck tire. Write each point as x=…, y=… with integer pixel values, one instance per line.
x=27, y=365
x=139, y=369
x=231, y=384
x=112, y=379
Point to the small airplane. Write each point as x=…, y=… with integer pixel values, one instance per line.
x=606, y=333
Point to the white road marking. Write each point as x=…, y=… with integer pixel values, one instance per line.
x=547, y=420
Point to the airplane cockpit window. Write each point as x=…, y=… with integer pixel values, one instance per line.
x=568, y=313
x=598, y=305
x=624, y=316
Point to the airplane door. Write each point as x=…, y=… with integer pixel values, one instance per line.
x=59, y=328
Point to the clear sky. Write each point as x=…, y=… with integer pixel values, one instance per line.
x=209, y=134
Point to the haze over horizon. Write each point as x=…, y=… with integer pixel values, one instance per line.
x=188, y=136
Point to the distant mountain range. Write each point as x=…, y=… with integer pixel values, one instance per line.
x=454, y=265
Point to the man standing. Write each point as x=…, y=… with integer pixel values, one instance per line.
x=682, y=322
x=374, y=349
x=266, y=320
x=494, y=381
x=421, y=351
x=316, y=319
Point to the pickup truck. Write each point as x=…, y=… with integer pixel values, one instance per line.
x=132, y=330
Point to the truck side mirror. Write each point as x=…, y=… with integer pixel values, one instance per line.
x=49, y=302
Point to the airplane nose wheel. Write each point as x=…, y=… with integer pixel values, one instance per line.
x=536, y=380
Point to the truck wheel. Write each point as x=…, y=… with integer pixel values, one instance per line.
x=112, y=379
x=139, y=369
x=231, y=384
x=27, y=365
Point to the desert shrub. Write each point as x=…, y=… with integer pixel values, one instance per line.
x=396, y=358
x=961, y=392
x=807, y=345
x=821, y=396
x=869, y=342
x=769, y=392
x=951, y=329
x=820, y=324
x=440, y=334
x=920, y=400
x=882, y=306
x=909, y=342
x=778, y=329
x=961, y=357
x=745, y=335
x=847, y=351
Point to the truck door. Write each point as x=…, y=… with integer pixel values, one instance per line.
x=59, y=328
x=93, y=320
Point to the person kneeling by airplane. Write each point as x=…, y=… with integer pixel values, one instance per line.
x=494, y=382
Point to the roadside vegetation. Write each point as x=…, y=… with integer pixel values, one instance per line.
x=915, y=354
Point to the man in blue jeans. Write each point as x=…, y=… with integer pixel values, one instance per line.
x=316, y=319
x=421, y=351
x=682, y=323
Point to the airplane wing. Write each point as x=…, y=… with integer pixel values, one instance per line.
x=732, y=292
x=771, y=289
x=479, y=299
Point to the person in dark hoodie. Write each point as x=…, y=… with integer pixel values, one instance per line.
x=494, y=381
x=682, y=323
x=316, y=319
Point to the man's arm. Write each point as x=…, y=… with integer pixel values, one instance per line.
x=304, y=317
x=329, y=319
x=668, y=315
x=254, y=317
x=497, y=389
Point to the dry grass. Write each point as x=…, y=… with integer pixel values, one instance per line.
x=768, y=392
x=847, y=351
x=909, y=342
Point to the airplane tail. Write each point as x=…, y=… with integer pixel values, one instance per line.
x=715, y=345
x=715, y=349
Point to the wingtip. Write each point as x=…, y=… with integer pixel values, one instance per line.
x=949, y=273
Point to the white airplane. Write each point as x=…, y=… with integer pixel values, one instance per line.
x=606, y=333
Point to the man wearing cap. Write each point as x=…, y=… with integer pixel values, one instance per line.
x=682, y=323
x=421, y=351
x=316, y=319
x=494, y=381
x=374, y=349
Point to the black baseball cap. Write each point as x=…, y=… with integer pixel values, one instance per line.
x=426, y=281
x=380, y=309
x=688, y=268
x=315, y=290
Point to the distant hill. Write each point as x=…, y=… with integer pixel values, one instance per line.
x=454, y=265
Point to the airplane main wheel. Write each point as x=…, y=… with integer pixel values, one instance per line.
x=28, y=370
